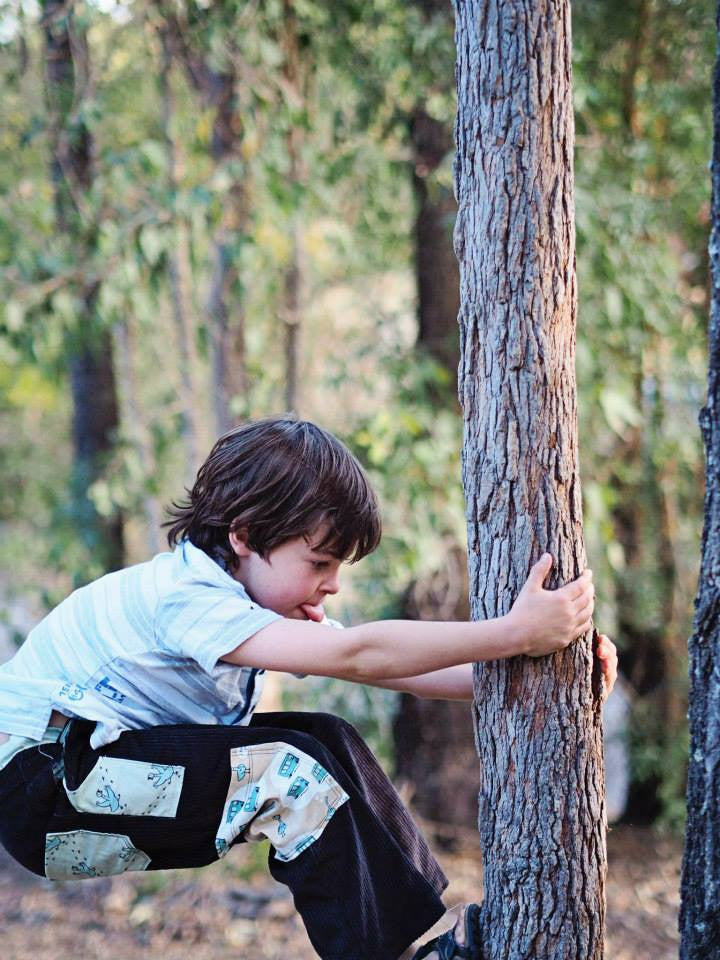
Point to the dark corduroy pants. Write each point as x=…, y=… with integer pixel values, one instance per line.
x=366, y=888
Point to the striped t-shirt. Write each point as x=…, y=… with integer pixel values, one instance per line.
x=137, y=648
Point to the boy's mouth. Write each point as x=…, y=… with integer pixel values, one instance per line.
x=312, y=611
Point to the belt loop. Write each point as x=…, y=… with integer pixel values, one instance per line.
x=64, y=734
x=58, y=768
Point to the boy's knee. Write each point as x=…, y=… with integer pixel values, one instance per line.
x=338, y=734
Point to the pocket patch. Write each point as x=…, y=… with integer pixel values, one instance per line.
x=129, y=788
x=278, y=793
x=81, y=854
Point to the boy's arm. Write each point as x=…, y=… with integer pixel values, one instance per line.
x=452, y=683
x=540, y=622
x=456, y=683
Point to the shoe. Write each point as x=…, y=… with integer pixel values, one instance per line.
x=447, y=947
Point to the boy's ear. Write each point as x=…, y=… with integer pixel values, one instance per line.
x=238, y=542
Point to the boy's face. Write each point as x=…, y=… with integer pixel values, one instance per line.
x=293, y=577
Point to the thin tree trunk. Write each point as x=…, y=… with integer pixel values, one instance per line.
x=125, y=349
x=542, y=813
x=89, y=346
x=292, y=310
x=637, y=44
x=436, y=269
x=700, y=887
x=225, y=304
x=292, y=318
x=180, y=273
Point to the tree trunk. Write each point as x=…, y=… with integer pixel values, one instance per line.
x=700, y=888
x=89, y=351
x=539, y=730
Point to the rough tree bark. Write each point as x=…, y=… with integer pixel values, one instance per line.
x=542, y=815
x=89, y=346
x=700, y=888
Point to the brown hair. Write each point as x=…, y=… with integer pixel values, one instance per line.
x=278, y=478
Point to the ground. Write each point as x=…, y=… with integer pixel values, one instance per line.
x=233, y=909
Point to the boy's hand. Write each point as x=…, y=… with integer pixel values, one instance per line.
x=543, y=621
x=607, y=655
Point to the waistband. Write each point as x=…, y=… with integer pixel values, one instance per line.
x=14, y=744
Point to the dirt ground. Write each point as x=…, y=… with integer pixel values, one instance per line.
x=233, y=910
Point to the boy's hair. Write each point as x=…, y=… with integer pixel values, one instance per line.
x=278, y=478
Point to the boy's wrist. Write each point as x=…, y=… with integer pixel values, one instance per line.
x=514, y=636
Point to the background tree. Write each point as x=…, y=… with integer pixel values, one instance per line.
x=204, y=41
x=700, y=904
x=433, y=740
x=538, y=723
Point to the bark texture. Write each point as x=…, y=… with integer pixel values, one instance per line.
x=542, y=813
x=700, y=888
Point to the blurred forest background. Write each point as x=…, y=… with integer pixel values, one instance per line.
x=211, y=211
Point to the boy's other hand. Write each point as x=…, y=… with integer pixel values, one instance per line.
x=543, y=621
x=607, y=655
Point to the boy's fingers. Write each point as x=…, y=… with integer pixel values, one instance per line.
x=606, y=649
x=540, y=570
x=584, y=627
x=607, y=654
x=587, y=596
x=584, y=607
x=579, y=586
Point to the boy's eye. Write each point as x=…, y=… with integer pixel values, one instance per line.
x=320, y=564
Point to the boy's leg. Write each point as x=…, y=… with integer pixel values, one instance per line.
x=164, y=794
x=351, y=751
x=370, y=885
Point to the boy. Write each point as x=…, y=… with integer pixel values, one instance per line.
x=130, y=740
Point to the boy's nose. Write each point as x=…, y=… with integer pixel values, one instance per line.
x=332, y=583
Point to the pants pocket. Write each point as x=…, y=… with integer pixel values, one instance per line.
x=81, y=854
x=129, y=788
x=277, y=792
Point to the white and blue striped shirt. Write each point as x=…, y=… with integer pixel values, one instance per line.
x=137, y=648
